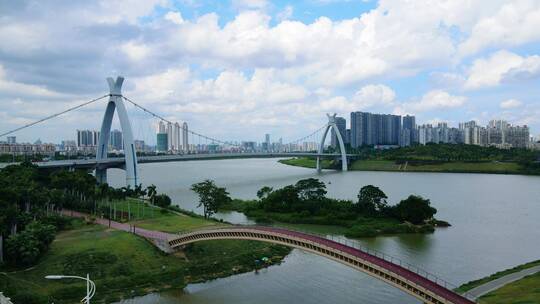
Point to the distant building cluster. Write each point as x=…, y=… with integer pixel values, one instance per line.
x=173, y=138
x=386, y=130
x=12, y=147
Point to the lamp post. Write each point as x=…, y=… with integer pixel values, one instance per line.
x=90, y=285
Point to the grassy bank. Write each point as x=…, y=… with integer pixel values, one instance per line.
x=473, y=284
x=124, y=265
x=417, y=166
x=522, y=291
x=307, y=162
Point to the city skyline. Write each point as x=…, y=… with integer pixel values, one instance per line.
x=286, y=78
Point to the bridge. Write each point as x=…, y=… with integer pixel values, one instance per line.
x=119, y=162
x=422, y=286
x=130, y=160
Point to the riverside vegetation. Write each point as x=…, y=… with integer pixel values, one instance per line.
x=306, y=203
x=38, y=242
x=438, y=158
x=521, y=291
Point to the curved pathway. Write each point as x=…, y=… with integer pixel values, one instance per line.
x=411, y=282
x=490, y=286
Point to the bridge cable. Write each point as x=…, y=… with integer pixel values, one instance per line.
x=181, y=127
x=53, y=116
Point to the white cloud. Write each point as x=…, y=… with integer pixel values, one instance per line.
x=12, y=88
x=515, y=23
x=286, y=13
x=251, y=4
x=510, y=104
x=135, y=51
x=500, y=66
x=432, y=100
x=174, y=17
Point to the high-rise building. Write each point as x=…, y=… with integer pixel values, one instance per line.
x=169, y=136
x=185, y=137
x=341, y=124
x=408, y=131
x=161, y=127
x=11, y=140
x=176, y=137
x=87, y=138
x=116, y=141
x=266, y=142
x=374, y=129
x=162, y=142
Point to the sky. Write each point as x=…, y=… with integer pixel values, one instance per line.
x=237, y=69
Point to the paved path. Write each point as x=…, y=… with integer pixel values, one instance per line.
x=500, y=282
x=159, y=238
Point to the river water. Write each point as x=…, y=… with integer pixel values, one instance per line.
x=495, y=225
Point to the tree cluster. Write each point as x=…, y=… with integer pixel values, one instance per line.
x=30, y=200
x=308, y=198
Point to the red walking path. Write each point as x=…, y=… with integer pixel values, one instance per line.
x=166, y=241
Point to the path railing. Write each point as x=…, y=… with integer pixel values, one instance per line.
x=345, y=241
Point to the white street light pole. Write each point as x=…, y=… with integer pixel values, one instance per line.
x=90, y=285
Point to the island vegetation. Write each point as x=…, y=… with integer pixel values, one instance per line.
x=437, y=158
x=37, y=241
x=370, y=215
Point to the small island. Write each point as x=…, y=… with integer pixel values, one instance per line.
x=371, y=215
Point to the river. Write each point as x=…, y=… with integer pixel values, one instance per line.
x=495, y=225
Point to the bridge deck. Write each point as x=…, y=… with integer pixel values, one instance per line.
x=406, y=273
x=422, y=282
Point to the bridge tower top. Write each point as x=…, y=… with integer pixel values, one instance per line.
x=115, y=87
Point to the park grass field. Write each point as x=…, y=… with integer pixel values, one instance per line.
x=174, y=223
x=458, y=167
x=473, y=284
x=524, y=291
x=306, y=162
x=124, y=265
x=389, y=165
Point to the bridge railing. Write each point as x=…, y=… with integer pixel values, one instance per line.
x=345, y=241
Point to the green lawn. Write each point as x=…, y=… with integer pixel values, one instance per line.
x=483, y=167
x=306, y=162
x=472, y=284
x=124, y=265
x=389, y=165
x=137, y=209
x=524, y=291
x=174, y=223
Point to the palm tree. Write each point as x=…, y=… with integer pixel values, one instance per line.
x=151, y=190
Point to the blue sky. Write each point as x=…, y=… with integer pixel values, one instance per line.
x=241, y=68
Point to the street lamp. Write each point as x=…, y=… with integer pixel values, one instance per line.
x=90, y=286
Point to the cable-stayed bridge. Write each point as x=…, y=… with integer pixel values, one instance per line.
x=129, y=162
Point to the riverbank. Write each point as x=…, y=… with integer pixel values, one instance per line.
x=493, y=167
x=515, y=285
x=124, y=265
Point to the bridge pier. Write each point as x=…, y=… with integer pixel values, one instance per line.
x=332, y=125
x=116, y=103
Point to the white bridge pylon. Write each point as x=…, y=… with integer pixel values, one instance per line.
x=332, y=125
x=116, y=102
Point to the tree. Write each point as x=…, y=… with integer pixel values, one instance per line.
x=415, y=209
x=264, y=192
x=162, y=200
x=371, y=199
x=151, y=191
x=211, y=197
x=311, y=189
